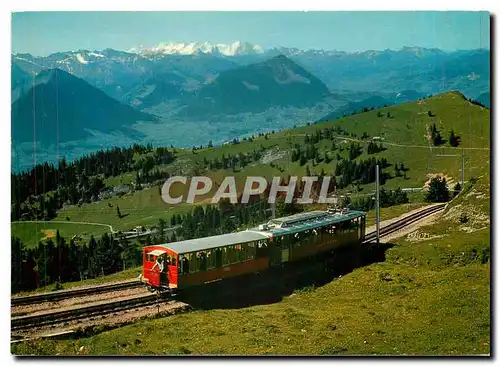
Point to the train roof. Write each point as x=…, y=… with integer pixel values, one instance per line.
x=306, y=221
x=303, y=216
x=211, y=242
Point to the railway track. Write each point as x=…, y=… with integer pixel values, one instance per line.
x=64, y=294
x=395, y=226
x=70, y=314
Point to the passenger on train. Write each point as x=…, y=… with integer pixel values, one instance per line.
x=185, y=265
x=159, y=263
x=203, y=261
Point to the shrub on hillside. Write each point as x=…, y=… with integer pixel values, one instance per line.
x=438, y=190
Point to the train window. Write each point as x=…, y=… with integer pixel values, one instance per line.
x=286, y=241
x=218, y=257
x=225, y=256
x=304, y=237
x=193, y=262
x=314, y=235
x=309, y=239
x=261, y=249
x=210, y=259
x=184, y=264
x=233, y=254
x=202, y=259
x=242, y=253
x=250, y=251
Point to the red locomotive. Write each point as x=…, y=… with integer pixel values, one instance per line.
x=175, y=266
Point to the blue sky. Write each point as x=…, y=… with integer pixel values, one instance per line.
x=42, y=33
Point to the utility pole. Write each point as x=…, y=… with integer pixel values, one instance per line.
x=377, y=201
x=463, y=170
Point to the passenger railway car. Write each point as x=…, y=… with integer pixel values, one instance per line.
x=184, y=264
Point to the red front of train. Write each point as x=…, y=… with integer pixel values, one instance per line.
x=160, y=267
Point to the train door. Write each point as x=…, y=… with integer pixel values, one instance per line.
x=280, y=251
x=155, y=270
x=172, y=271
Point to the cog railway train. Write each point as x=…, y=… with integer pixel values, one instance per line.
x=175, y=266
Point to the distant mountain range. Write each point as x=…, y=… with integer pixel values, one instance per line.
x=236, y=89
x=126, y=75
x=60, y=107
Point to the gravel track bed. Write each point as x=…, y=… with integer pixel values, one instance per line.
x=21, y=294
x=372, y=228
x=76, y=301
x=428, y=220
x=107, y=321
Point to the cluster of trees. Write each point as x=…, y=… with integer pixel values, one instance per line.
x=303, y=155
x=44, y=206
x=59, y=261
x=380, y=114
x=233, y=161
x=221, y=219
x=366, y=109
x=235, y=141
x=436, y=137
x=355, y=150
x=156, y=176
x=327, y=133
x=311, y=152
x=454, y=139
x=400, y=169
x=266, y=134
x=374, y=148
x=387, y=198
x=41, y=191
x=476, y=102
x=362, y=172
x=438, y=190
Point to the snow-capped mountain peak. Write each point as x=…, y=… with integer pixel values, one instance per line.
x=191, y=48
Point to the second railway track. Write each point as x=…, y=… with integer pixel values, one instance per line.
x=51, y=317
x=405, y=221
x=79, y=292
